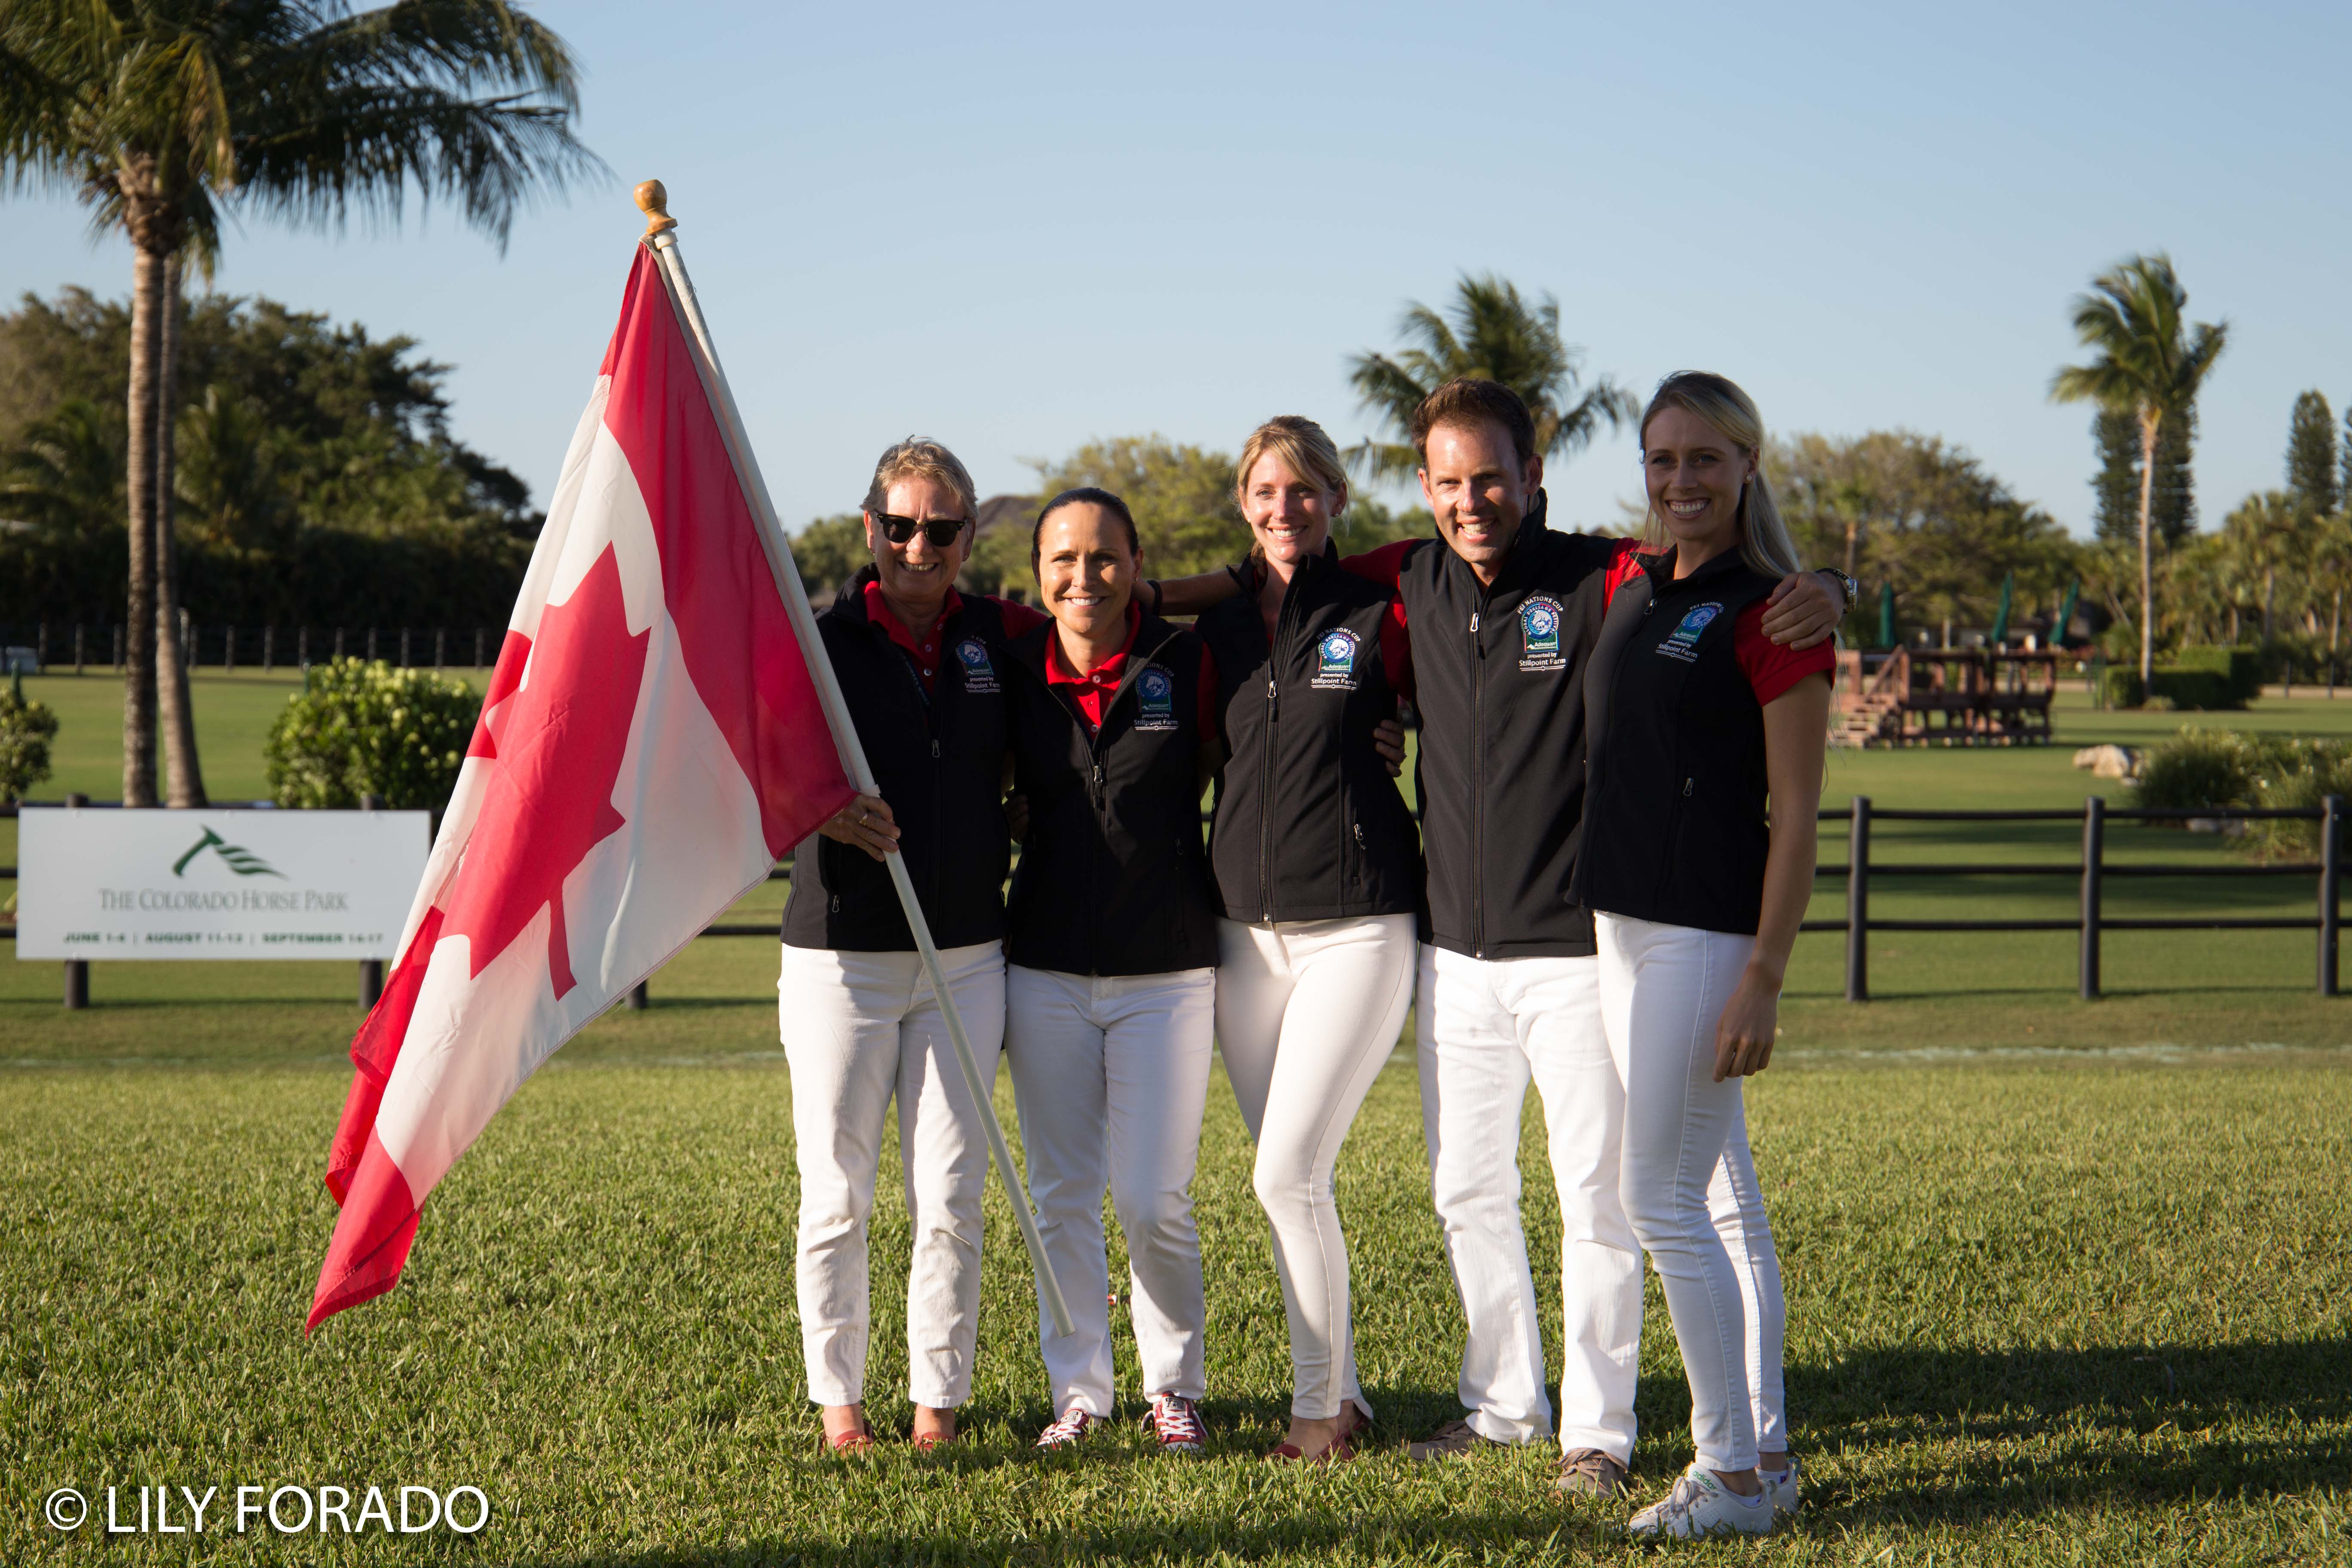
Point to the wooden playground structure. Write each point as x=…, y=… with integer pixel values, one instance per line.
x=1945, y=696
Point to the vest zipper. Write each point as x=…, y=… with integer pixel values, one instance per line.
x=1477, y=785
x=1265, y=769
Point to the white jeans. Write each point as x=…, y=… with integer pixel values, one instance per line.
x=858, y=1028
x=1111, y=1073
x=1689, y=1182
x=1486, y=1028
x=1306, y=1013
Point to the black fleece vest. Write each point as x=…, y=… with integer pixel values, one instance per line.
x=1499, y=675
x=1674, y=826
x=1308, y=824
x=939, y=761
x=1112, y=878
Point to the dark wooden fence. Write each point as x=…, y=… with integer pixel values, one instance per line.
x=1858, y=871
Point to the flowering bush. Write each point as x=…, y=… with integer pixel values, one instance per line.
x=27, y=728
x=361, y=727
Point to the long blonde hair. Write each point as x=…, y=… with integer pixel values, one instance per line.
x=1765, y=543
x=1304, y=449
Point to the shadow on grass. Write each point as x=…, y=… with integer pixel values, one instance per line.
x=2244, y=1420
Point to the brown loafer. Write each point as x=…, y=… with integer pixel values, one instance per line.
x=1451, y=1441
x=1588, y=1472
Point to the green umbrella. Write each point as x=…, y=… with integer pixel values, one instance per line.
x=1886, y=614
x=2000, y=617
x=2067, y=614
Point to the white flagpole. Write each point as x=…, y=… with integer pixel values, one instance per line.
x=653, y=199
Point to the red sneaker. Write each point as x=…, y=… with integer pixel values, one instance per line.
x=1176, y=1422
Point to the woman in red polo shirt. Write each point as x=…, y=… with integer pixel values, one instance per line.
x=1111, y=947
x=922, y=668
x=1703, y=776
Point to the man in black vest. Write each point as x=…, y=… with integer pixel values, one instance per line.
x=1503, y=612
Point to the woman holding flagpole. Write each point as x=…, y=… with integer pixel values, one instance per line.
x=1111, y=987
x=919, y=666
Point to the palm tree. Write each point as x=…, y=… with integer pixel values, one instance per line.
x=1496, y=334
x=2148, y=361
x=2268, y=531
x=164, y=115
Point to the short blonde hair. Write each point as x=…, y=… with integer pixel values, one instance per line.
x=1304, y=447
x=1764, y=540
x=921, y=457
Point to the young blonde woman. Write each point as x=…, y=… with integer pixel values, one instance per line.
x=1704, y=775
x=1110, y=981
x=1317, y=869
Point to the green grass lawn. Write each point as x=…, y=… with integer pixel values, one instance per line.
x=2097, y=1311
x=2067, y=1281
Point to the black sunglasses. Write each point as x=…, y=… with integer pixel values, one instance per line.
x=940, y=530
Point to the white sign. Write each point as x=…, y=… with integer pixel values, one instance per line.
x=116, y=884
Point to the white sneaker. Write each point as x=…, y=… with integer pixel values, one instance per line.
x=1781, y=1490
x=1701, y=1506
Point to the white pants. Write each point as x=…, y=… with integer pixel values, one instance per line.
x=858, y=1028
x=1111, y=1073
x=1689, y=1182
x=1307, y=1013
x=1486, y=1028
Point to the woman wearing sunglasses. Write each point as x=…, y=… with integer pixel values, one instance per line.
x=922, y=668
x=1110, y=988
x=1317, y=869
x=1705, y=772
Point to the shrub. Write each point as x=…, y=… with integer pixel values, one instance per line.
x=2119, y=687
x=2201, y=768
x=360, y=728
x=2202, y=689
x=27, y=727
x=2195, y=768
x=2234, y=675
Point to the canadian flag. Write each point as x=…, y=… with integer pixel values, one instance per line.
x=650, y=745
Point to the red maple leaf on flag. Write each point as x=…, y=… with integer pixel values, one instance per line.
x=550, y=801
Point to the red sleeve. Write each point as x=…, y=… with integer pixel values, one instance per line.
x=1623, y=567
x=1396, y=650
x=1018, y=618
x=1384, y=565
x=1209, y=730
x=1773, y=668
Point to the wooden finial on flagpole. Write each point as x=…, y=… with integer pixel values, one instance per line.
x=652, y=200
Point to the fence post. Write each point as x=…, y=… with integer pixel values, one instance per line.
x=1857, y=902
x=41, y=646
x=269, y=648
x=2331, y=854
x=76, y=969
x=339, y=642
x=228, y=656
x=371, y=969
x=117, y=648
x=640, y=997
x=78, y=650
x=404, y=648
x=478, y=648
x=2094, y=841
x=440, y=648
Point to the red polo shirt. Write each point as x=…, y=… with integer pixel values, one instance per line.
x=924, y=654
x=1091, y=691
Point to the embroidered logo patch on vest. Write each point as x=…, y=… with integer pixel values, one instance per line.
x=1540, y=619
x=979, y=675
x=1156, y=689
x=1683, y=643
x=1335, y=660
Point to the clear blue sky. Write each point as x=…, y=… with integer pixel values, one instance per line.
x=1016, y=228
